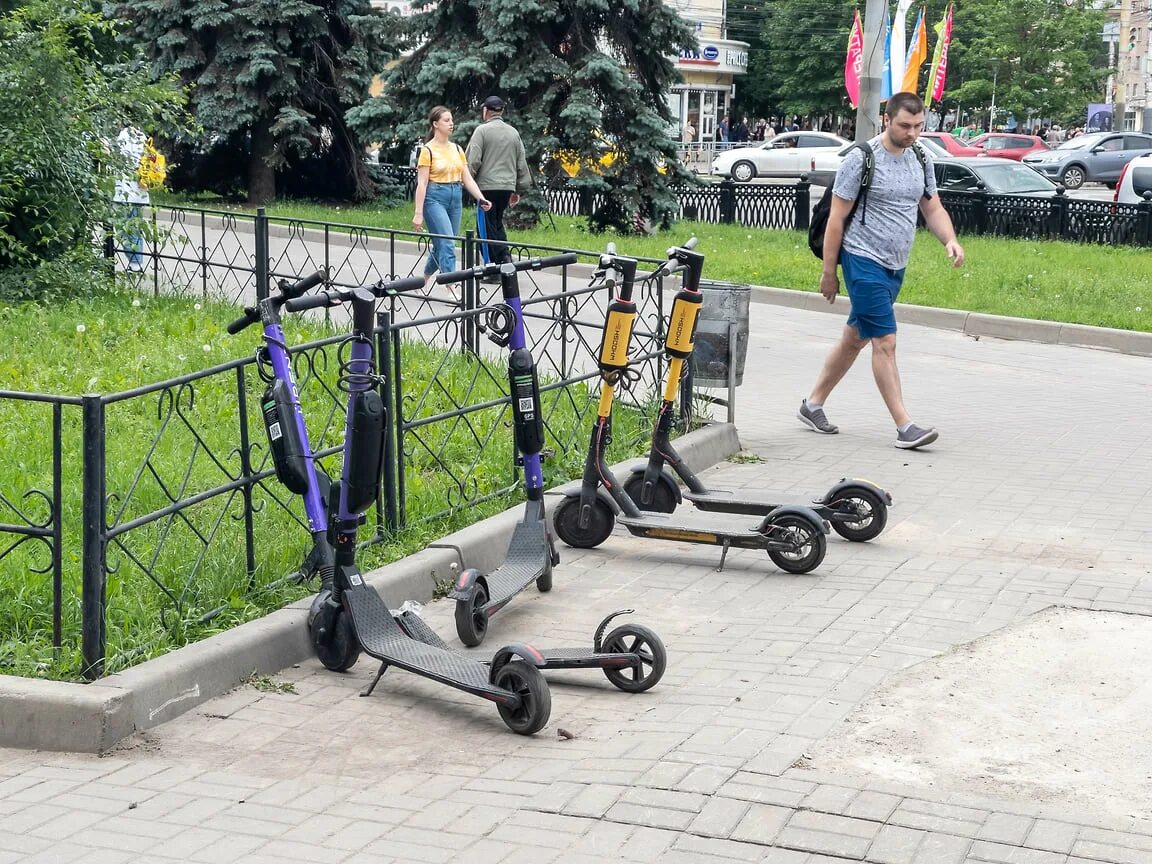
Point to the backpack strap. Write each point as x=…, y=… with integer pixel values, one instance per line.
x=865, y=184
x=923, y=159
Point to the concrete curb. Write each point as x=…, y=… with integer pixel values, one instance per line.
x=92, y=718
x=976, y=323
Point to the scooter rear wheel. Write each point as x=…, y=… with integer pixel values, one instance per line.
x=808, y=544
x=471, y=621
x=535, y=706
x=663, y=498
x=869, y=509
x=640, y=640
x=566, y=519
x=340, y=652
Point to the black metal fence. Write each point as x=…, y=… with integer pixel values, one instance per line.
x=174, y=477
x=789, y=206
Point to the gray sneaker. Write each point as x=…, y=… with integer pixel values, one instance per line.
x=915, y=436
x=815, y=419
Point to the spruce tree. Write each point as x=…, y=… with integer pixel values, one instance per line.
x=587, y=76
x=272, y=78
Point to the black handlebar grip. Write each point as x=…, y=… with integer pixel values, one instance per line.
x=249, y=317
x=555, y=261
x=312, y=301
x=457, y=275
x=302, y=286
x=398, y=286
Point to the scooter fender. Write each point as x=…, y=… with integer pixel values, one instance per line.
x=598, y=639
x=509, y=653
x=818, y=522
x=845, y=484
x=601, y=493
x=664, y=477
x=466, y=583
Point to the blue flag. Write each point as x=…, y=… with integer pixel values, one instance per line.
x=886, y=72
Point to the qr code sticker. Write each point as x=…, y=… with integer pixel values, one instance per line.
x=526, y=405
x=274, y=431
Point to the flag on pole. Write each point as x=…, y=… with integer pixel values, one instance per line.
x=854, y=61
x=917, y=54
x=939, y=71
x=886, y=71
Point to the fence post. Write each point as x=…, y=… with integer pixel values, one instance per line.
x=803, y=203
x=1146, y=219
x=386, y=493
x=727, y=201
x=246, y=472
x=262, y=275
x=1058, y=224
x=468, y=338
x=980, y=209
x=94, y=524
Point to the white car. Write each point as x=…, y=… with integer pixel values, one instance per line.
x=1135, y=181
x=787, y=155
x=825, y=165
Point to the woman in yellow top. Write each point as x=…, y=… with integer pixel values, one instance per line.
x=441, y=170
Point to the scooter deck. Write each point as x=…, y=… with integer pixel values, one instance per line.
x=527, y=559
x=382, y=637
x=725, y=501
x=554, y=658
x=678, y=526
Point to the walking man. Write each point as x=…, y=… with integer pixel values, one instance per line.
x=496, y=159
x=872, y=249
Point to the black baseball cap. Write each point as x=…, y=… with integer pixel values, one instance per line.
x=493, y=103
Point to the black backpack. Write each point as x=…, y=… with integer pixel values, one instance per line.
x=823, y=208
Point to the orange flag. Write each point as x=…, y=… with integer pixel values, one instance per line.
x=917, y=54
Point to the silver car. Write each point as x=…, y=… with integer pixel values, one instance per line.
x=1099, y=156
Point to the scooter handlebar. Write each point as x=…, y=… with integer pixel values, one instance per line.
x=397, y=286
x=313, y=301
x=490, y=269
x=250, y=316
x=302, y=286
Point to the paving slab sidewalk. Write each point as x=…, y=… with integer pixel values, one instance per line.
x=1035, y=495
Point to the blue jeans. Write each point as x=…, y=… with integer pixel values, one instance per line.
x=442, y=216
x=133, y=239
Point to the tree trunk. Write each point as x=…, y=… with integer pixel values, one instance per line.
x=261, y=174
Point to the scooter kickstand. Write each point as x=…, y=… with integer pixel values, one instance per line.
x=723, y=555
x=367, y=691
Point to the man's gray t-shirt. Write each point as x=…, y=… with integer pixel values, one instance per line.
x=885, y=222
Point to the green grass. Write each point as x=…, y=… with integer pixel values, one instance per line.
x=181, y=579
x=1047, y=280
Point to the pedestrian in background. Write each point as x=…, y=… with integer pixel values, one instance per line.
x=441, y=172
x=872, y=249
x=129, y=191
x=496, y=159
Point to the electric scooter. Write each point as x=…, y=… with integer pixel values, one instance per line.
x=632, y=656
x=793, y=535
x=348, y=615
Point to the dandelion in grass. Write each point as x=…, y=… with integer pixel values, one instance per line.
x=207, y=348
x=80, y=328
x=196, y=306
x=1139, y=309
x=136, y=303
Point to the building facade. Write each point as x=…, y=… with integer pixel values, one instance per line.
x=709, y=72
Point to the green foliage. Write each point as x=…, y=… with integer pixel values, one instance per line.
x=273, y=80
x=63, y=95
x=1045, y=57
x=578, y=75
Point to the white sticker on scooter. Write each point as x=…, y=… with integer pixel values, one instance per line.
x=526, y=405
x=355, y=579
x=274, y=432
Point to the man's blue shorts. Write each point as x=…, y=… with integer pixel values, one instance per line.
x=873, y=289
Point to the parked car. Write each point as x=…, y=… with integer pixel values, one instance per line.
x=999, y=176
x=1098, y=156
x=1008, y=145
x=787, y=155
x=951, y=143
x=1135, y=181
x=825, y=165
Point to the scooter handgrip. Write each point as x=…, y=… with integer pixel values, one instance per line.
x=249, y=317
x=457, y=275
x=312, y=301
x=303, y=286
x=691, y=244
x=552, y=261
x=398, y=286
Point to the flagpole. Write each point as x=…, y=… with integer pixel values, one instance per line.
x=868, y=111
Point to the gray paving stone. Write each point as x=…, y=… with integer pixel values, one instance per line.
x=1006, y=828
x=895, y=845
x=1052, y=836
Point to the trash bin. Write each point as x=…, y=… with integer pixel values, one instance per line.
x=721, y=334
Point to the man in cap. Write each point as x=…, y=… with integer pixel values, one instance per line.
x=497, y=161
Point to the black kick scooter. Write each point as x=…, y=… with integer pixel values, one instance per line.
x=632, y=656
x=348, y=615
x=793, y=535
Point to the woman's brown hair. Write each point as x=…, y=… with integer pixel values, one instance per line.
x=434, y=115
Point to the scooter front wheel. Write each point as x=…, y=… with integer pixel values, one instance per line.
x=566, y=519
x=341, y=651
x=663, y=497
x=535, y=706
x=643, y=642
x=471, y=620
x=806, y=544
x=869, y=512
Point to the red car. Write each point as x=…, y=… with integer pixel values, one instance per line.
x=952, y=144
x=1007, y=145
